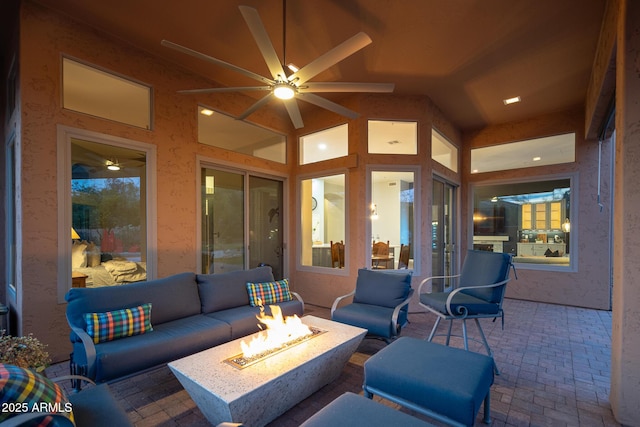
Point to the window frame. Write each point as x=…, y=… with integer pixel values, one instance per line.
x=313, y=268
x=301, y=148
x=417, y=210
x=573, y=178
x=64, y=136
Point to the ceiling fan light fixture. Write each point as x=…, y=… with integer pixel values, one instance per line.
x=283, y=91
x=113, y=166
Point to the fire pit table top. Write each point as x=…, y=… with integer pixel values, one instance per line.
x=261, y=392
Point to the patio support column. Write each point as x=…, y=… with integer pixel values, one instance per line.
x=625, y=345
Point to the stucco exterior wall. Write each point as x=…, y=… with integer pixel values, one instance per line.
x=44, y=38
x=589, y=285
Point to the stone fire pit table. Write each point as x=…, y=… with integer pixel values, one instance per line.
x=259, y=393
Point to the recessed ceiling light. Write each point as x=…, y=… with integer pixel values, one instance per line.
x=206, y=112
x=474, y=171
x=293, y=67
x=322, y=146
x=537, y=159
x=511, y=100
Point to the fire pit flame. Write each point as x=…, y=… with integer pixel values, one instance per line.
x=280, y=334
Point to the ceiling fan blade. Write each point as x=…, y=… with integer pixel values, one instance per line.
x=294, y=113
x=330, y=58
x=264, y=43
x=259, y=103
x=326, y=104
x=196, y=54
x=346, y=87
x=225, y=89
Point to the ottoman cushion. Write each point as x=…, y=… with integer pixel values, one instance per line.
x=448, y=381
x=357, y=411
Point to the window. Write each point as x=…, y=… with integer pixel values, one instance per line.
x=531, y=220
x=322, y=218
x=106, y=232
x=102, y=94
x=324, y=145
x=392, y=137
x=393, y=215
x=443, y=152
x=546, y=151
x=220, y=130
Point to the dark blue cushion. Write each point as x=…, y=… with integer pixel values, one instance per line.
x=473, y=305
x=229, y=290
x=354, y=410
x=95, y=406
x=374, y=318
x=172, y=297
x=485, y=268
x=383, y=288
x=447, y=380
x=168, y=341
x=243, y=319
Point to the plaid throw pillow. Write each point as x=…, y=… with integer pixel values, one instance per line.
x=266, y=293
x=119, y=323
x=23, y=390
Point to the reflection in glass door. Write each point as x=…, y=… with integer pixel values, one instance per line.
x=265, y=224
x=227, y=215
x=443, y=234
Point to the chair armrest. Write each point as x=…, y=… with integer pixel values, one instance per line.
x=73, y=377
x=89, y=347
x=396, y=311
x=299, y=298
x=463, y=311
x=424, y=281
x=337, y=301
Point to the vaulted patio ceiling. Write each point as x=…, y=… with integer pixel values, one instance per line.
x=467, y=56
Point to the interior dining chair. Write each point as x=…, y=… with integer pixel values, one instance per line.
x=403, y=258
x=478, y=294
x=380, y=255
x=337, y=254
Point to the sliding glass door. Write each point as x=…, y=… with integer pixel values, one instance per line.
x=241, y=221
x=443, y=233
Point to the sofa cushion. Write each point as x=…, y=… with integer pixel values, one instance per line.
x=383, y=288
x=25, y=387
x=265, y=293
x=168, y=341
x=116, y=324
x=172, y=297
x=229, y=290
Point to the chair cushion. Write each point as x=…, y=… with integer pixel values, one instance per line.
x=438, y=301
x=21, y=386
x=95, y=406
x=229, y=290
x=374, y=318
x=485, y=268
x=265, y=293
x=382, y=288
x=354, y=410
x=116, y=324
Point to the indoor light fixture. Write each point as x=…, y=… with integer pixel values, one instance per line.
x=206, y=112
x=74, y=234
x=112, y=166
x=511, y=100
x=374, y=211
x=537, y=159
x=494, y=199
x=283, y=91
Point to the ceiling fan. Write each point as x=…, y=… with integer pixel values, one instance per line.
x=287, y=86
